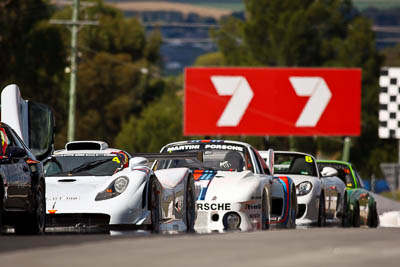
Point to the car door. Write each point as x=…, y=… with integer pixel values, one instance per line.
x=5, y=163
x=18, y=174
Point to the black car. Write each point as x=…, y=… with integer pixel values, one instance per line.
x=22, y=186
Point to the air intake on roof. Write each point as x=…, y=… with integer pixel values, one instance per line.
x=86, y=146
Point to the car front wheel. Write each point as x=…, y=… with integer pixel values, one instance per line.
x=190, y=206
x=293, y=210
x=265, y=212
x=154, y=206
x=321, y=211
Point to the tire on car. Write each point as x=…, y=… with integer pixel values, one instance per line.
x=154, y=207
x=345, y=216
x=373, y=218
x=265, y=211
x=356, y=216
x=34, y=223
x=190, y=205
x=321, y=211
x=293, y=210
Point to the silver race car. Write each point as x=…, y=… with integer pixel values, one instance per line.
x=319, y=198
x=89, y=184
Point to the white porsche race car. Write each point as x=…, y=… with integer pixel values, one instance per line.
x=91, y=185
x=319, y=198
x=235, y=188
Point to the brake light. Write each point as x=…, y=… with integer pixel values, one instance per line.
x=31, y=161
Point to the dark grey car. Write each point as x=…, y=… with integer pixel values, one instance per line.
x=22, y=185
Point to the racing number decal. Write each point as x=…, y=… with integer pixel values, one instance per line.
x=116, y=159
x=309, y=159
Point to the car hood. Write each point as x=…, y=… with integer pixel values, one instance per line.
x=73, y=189
x=225, y=186
x=77, y=194
x=298, y=178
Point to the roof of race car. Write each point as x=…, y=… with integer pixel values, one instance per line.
x=334, y=161
x=207, y=141
x=86, y=147
x=293, y=153
x=194, y=142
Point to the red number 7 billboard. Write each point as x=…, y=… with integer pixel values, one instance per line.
x=272, y=101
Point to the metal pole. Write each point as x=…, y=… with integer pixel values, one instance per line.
x=346, y=149
x=72, y=88
x=292, y=145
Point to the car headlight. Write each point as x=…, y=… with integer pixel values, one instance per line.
x=231, y=221
x=303, y=188
x=116, y=188
x=120, y=184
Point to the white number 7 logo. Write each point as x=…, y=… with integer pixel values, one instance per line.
x=239, y=89
x=320, y=95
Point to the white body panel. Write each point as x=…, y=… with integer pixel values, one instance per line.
x=14, y=111
x=239, y=192
x=311, y=200
x=171, y=178
x=79, y=197
x=334, y=190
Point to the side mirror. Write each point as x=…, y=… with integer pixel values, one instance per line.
x=16, y=152
x=329, y=171
x=137, y=161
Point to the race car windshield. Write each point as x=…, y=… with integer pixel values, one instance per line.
x=344, y=172
x=104, y=165
x=213, y=159
x=294, y=164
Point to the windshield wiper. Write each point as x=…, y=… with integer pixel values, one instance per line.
x=88, y=165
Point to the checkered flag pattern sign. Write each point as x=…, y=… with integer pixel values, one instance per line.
x=389, y=103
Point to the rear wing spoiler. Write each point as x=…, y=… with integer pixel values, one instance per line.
x=165, y=156
x=140, y=159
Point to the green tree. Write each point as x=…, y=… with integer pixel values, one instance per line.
x=311, y=33
x=210, y=59
x=33, y=54
x=392, y=56
x=158, y=124
x=118, y=71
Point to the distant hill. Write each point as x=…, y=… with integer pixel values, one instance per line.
x=181, y=46
x=168, y=6
x=379, y=4
x=237, y=5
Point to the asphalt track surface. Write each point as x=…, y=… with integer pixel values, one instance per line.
x=332, y=246
x=301, y=247
x=385, y=204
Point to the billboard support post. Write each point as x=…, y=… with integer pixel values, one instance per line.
x=346, y=149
